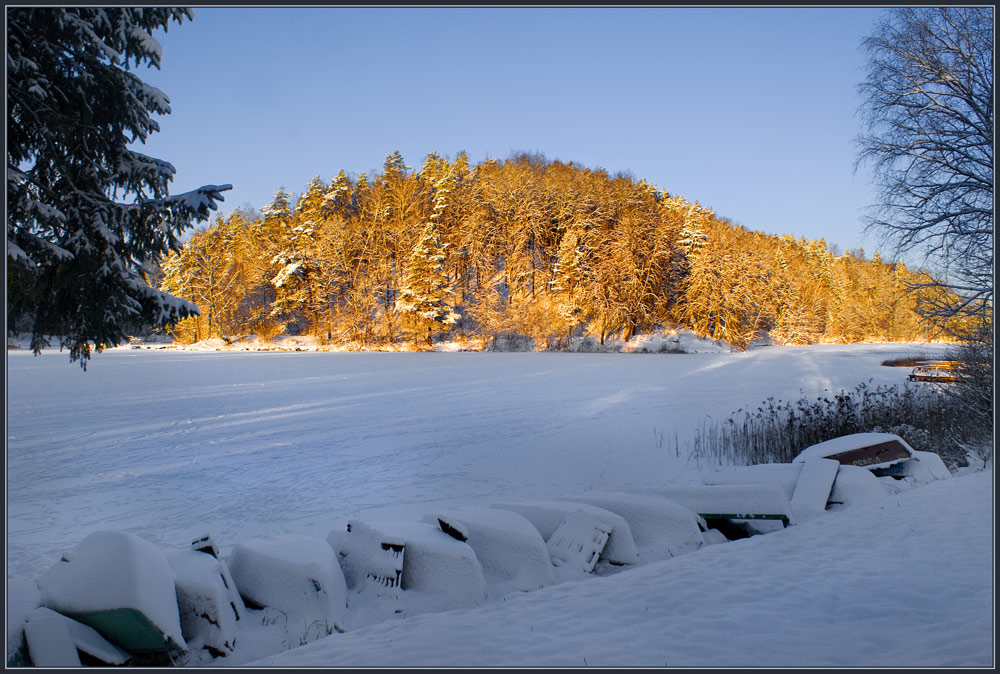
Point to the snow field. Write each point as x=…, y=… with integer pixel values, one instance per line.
x=263, y=445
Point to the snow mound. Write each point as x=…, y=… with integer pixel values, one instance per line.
x=926, y=467
x=23, y=597
x=579, y=540
x=208, y=610
x=547, y=516
x=50, y=643
x=660, y=527
x=855, y=484
x=510, y=549
x=370, y=553
x=812, y=491
x=854, y=441
x=675, y=341
x=868, y=587
x=429, y=560
x=733, y=500
x=297, y=575
x=110, y=570
x=783, y=475
x=54, y=641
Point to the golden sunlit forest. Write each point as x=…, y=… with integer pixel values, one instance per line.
x=524, y=246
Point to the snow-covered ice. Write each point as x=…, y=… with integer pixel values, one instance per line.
x=166, y=445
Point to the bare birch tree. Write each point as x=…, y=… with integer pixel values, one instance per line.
x=927, y=105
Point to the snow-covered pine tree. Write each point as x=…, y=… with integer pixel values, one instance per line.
x=84, y=211
x=276, y=230
x=310, y=205
x=280, y=208
x=394, y=164
x=284, y=241
x=692, y=236
x=434, y=169
x=570, y=277
x=296, y=282
x=422, y=303
x=338, y=196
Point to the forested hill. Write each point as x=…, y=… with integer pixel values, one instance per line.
x=527, y=246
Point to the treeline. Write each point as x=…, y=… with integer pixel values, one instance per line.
x=524, y=246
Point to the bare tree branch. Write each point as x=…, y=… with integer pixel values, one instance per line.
x=927, y=106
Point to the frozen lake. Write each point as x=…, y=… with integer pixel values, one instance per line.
x=170, y=445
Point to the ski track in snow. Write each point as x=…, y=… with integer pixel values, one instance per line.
x=171, y=445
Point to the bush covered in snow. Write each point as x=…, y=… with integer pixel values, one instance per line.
x=777, y=431
x=509, y=341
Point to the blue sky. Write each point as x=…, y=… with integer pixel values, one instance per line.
x=750, y=111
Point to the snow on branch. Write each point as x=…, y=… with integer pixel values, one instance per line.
x=15, y=253
x=199, y=201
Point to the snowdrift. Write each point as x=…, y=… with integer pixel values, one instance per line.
x=115, y=597
x=587, y=518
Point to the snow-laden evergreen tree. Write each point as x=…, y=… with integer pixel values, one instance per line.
x=84, y=211
x=460, y=168
x=275, y=229
x=338, y=196
x=422, y=303
x=394, y=164
x=280, y=207
x=570, y=277
x=692, y=236
x=297, y=261
x=310, y=205
x=434, y=169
